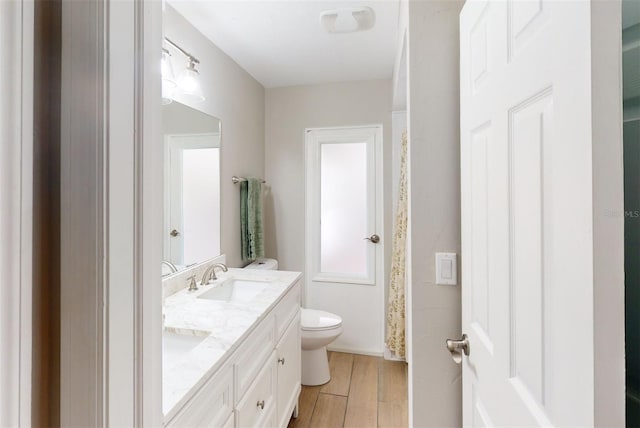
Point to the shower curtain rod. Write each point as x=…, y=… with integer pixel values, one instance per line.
x=237, y=180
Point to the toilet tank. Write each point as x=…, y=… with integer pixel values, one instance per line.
x=266, y=264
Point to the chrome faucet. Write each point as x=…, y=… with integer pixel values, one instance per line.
x=210, y=273
x=170, y=265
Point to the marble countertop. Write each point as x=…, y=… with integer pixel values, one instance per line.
x=222, y=324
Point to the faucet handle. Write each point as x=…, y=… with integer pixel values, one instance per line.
x=192, y=283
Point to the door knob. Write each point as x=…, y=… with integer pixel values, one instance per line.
x=373, y=238
x=174, y=233
x=457, y=347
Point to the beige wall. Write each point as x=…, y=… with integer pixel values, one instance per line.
x=179, y=119
x=237, y=99
x=288, y=112
x=608, y=230
x=433, y=70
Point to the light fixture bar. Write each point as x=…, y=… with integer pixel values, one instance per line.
x=185, y=53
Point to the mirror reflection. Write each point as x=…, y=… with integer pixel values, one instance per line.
x=191, y=187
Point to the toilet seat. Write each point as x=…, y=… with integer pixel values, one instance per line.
x=315, y=320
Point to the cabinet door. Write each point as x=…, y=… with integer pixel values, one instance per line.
x=252, y=355
x=288, y=353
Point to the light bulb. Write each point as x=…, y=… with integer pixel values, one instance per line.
x=189, y=82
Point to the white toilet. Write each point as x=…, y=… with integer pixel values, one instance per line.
x=319, y=328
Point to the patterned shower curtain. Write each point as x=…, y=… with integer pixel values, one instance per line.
x=396, y=308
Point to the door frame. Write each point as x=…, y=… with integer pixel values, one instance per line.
x=312, y=217
x=111, y=194
x=16, y=215
x=311, y=176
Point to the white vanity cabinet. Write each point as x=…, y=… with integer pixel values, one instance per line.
x=259, y=384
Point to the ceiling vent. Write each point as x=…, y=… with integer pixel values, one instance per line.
x=348, y=20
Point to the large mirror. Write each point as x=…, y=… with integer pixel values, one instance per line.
x=191, y=187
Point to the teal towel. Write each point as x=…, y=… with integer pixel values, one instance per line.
x=251, y=235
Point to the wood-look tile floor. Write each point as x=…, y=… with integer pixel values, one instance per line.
x=364, y=392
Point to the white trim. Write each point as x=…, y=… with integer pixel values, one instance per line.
x=121, y=220
x=312, y=218
x=82, y=145
x=16, y=215
x=314, y=138
x=149, y=169
x=26, y=253
x=111, y=370
x=356, y=351
x=344, y=279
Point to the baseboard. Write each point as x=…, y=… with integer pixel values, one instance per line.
x=386, y=354
x=355, y=351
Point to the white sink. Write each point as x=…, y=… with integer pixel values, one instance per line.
x=175, y=345
x=235, y=290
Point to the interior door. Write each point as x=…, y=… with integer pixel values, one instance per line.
x=192, y=193
x=344, y=229
x=527, y=240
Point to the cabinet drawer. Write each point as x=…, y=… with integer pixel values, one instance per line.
x=252, y=355
x=287, y=309
x=258, y=405
x=211, y=406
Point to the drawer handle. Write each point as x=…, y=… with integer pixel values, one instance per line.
x=260, y=404
x=281, y=360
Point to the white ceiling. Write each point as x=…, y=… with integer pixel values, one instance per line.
x=282, y=43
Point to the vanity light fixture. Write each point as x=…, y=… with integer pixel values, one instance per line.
x=188, y=82
x=168, y=78
x=348, y=19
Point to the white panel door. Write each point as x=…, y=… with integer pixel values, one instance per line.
x=344, y=230
x=527, y=240
x=192, y=198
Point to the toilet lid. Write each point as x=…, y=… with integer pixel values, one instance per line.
x=312, y=319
